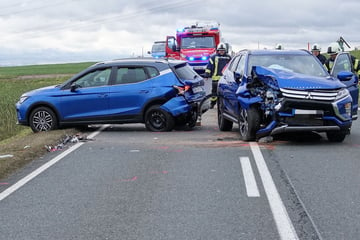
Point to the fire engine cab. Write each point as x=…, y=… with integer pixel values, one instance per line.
x=194, y=44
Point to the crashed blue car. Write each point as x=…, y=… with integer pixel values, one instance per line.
x=161, y=94
x=268, y=92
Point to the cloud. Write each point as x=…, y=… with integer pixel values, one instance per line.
x=70, y=29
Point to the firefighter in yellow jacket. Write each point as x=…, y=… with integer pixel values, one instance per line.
x=214, y=69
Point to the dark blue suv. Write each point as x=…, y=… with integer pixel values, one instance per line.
x=160, y=93
x=267, y=92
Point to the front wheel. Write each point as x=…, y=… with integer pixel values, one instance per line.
x=336, y=136
x=43, y=119
x=158, y=120
x=223, y=123
x=249, y=123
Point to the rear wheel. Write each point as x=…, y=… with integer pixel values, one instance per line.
x=223, y=123
x=249, y=123
x=158, y=120
x=43, y=119
x=338, y=136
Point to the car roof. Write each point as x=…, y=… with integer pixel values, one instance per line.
x=276, y=52
x=141, y=61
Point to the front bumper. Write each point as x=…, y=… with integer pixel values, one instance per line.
x=308, y=115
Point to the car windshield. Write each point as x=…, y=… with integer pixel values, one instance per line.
x=304, y=64
x=197, y=42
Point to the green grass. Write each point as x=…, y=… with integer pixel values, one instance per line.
x=66, y=68
x=11, y=88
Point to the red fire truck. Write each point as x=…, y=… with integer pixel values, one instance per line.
x=194, y=44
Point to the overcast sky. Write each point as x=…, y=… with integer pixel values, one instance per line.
x=59, y=31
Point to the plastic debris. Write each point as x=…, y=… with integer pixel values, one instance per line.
x=68, y=139
x=6, y=156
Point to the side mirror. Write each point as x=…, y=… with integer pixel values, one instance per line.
x=74, y=86
x=237, y=77
x=345, y=76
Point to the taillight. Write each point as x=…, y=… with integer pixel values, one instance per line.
x=182, y=89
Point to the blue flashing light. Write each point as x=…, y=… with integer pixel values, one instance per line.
x=204, y=58
x=180, y=30
x=191, y=58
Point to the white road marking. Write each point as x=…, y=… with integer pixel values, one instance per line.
x=250, y=182
x=283, y=223
x=41, y=169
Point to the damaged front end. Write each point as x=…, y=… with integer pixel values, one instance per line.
x=292, y=102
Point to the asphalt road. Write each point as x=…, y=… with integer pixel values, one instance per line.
x=203, y=184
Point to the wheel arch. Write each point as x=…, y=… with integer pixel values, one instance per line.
x=42, y=104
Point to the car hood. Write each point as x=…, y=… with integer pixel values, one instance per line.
x=291, y=80
x=48, y=89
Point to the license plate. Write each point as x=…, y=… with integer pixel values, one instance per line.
x=197, y=89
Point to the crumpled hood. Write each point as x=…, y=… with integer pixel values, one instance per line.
x=291, y=80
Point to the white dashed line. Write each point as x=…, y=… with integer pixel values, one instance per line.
x=250, y=182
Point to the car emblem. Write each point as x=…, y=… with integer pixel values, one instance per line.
x=309, y=96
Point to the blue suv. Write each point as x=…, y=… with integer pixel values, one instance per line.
x=267, y=92
x=160, y=93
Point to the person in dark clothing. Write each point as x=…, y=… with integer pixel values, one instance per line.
x=316, y=52
x=214, y=69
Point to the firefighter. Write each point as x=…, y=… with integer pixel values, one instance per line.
x=333, y=51
x=214, y=69
x=315, y=49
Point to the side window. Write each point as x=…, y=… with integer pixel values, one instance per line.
x=153, y=72
x=127, y=75
x=96, y=78
x=234, y=63
x=241, y=66
x=342, y=63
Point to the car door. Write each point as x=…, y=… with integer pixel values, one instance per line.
x=233, y=79
x=88, y=99
x=343, y=63
x=130, y=91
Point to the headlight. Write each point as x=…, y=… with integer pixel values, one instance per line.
x=342, y=93
x=23, y=99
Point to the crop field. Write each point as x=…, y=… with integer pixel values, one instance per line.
x=16, y=80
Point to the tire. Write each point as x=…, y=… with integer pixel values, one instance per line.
x=336, y=136
x=249, y=123
x=223, y=123
x=193, y=118
x=158, y=120
x=43, y=119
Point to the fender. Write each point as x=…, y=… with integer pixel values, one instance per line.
x=245, y=99
x=176, y=106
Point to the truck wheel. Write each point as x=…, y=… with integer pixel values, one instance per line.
x=158, y=120
x=338, y=136
x=43, y=119
x=249, y=123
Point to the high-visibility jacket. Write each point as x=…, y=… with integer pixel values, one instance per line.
x=215, y=66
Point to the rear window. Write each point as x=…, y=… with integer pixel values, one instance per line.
x=185, y=72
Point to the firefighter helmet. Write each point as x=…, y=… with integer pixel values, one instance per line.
x=316, y=47
x=333, y=48
x=221, y=46
x=279, y=47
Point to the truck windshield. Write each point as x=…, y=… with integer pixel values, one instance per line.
x=158, y=47
x=197, y=42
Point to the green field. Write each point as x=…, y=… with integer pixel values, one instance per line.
x=13, y=84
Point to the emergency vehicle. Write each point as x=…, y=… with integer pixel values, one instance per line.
x=194, y=44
